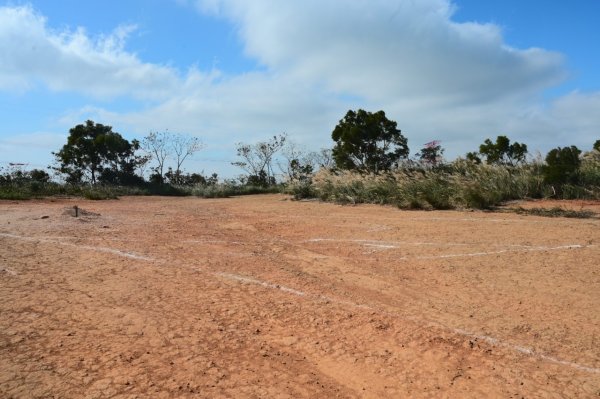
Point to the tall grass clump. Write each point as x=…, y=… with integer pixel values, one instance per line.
x=485, y=186
x=460, y=184
x=589, y=176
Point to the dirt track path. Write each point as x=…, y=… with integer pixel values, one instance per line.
x=263, y=297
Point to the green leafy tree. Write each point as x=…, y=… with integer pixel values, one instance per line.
x=562, y=165
x=39, y=175
x=431, y=153
x=94, y=152
x=368, y=142
x=473, y=157
x=17, y=176
x=597, y=145
x=502, y=152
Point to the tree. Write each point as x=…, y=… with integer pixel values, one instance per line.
x=183, y=147
x=298, y=164
x=156, y=144
x=368, y=142
x=562, y=165
x=164, y=145
x=597, y=145
x=431, y=153
x=257, y=159
x=94, y=150
x=123, y=161
x=323, y=158
x=17, y=176
x=473, y=157
x=502, y=152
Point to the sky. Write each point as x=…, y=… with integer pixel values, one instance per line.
x=231, y=71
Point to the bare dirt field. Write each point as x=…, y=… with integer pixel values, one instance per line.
x=263, y=297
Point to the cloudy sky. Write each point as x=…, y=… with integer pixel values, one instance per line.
x=231, y=71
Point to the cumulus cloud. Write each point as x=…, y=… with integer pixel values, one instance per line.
x=382, y=49
x=247, y=107
x=572, y=119
x=33, y=53
x=440, y=79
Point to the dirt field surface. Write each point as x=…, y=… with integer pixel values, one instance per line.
x=263, y=297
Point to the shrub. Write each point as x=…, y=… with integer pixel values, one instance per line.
x=460, y=184
x=562, y=166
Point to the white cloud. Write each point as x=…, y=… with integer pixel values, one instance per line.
x=247, y=107
x=572, y=119
x=383, y=50
x=35, y=140
x=439, y=79
x=72, y=61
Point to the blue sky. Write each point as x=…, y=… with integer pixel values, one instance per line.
x=240, y=71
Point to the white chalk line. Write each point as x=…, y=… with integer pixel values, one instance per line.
x=88, y=238
x=491, y=340
x=130, y=255
x=523, y=219
x=397, y=245
x=390, y=244
x=213, y=242
x=265, y=284
x=382, y=246
x=244, y=279
x=527, y=351
x=503, y=251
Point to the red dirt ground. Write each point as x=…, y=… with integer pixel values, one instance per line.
x=263, y=297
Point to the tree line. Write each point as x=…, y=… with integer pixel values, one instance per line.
x=363, y=142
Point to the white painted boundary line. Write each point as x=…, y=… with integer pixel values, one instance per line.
x=396, y=245
x=265, y=284
x=213, y=242
x=388, y=244
x=130, y=255
x=249, y=280
x=491, y=340
x=523, y=219
x=527, y=351
x=503, y=251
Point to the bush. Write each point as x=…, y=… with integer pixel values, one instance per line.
x=460, y=184
x=562, y=166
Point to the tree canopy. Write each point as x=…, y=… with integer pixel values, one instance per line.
x=94, y=152
x=162, y=146
x=562, y=165
x=502, y=152
x=431, y=153
x=257, y=159
x=368, y=142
